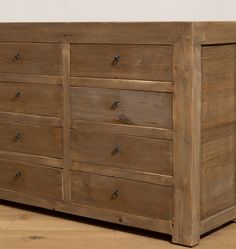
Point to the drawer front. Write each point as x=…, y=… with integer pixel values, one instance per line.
x=122, y=106
x=116, y=194
x=31, y=179
x=31, y=58
x=31, y=139
x=143, y=62
x=126, y=152
x=45, y=100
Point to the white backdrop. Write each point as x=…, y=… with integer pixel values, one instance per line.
x=116, y=10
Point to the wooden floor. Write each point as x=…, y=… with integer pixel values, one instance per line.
x=24, y=227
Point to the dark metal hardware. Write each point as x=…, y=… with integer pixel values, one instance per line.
x=116, y=150
x=116, y=60
x=115, y=194
x=16, y=58
x=18, y=175
x=17, y=96
x=115, y=105
x=17, y=137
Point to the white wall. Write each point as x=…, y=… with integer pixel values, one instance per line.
x=116, y=10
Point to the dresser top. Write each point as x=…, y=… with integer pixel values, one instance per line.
x=120, y=32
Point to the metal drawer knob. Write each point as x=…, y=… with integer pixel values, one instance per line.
x=116, y=60
x=18, y=175
x=115, y=105
x=17, y=96
x=116, y=150
x=115, y=194
x=16, y=58
x=17, y=137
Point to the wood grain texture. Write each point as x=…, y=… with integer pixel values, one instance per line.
x=174, y=85
x=186, y=146
x=44, y=100
x=132, y=130
x=31, y=159
x=141, y=62
x=33, y=139
x=215, y=32
x=218, y=129
x=123, y=173
x=30, y=119
x=112, y=33
x=133, y=197
x=135, y=107
x=122, y=151
x=32, y=79
x=28, y=178
x=31, y=58
x=139, y=85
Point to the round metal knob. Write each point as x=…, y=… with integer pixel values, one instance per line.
x=115, y=194
x=18, y=175
x=116, y=150
x=17, y=137
x=116, y=60
x=16, y=58
x=115, y=105
x=17, y=96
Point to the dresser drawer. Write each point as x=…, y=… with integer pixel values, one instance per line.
x=31, y=58
x=32, y=139
x=122, y=106
x=126, y=152
x=31, y=179
x=143, y=62
x=45, y=100
x=116, y=194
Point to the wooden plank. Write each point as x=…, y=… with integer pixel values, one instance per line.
x=30, y=119
x=218, y=219
x=66, y=123
x=139, y=85
x=122, y=151
x=186, y=146
x=34, y=159
x=29, y=78
x=34, y=99
x=114, y=33
x=32, y=179
x=137, y=198
x=215, y=32
x=218, y=129
x=140, y=62
x=132, y=130
x=122, y=106
x=91, y=212
x=31, y=139
x=159, y=179
x=31, y=58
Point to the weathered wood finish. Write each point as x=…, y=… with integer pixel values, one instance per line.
x=142, y=62
x=218, y=169
x=31, y=139
x=174, y=120
x=136, y=198
x=28, y=178
x=31, y=58
x=45, y=100
x=136, y=107
x=122, y=151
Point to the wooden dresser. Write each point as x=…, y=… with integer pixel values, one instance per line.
x=131, y=123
